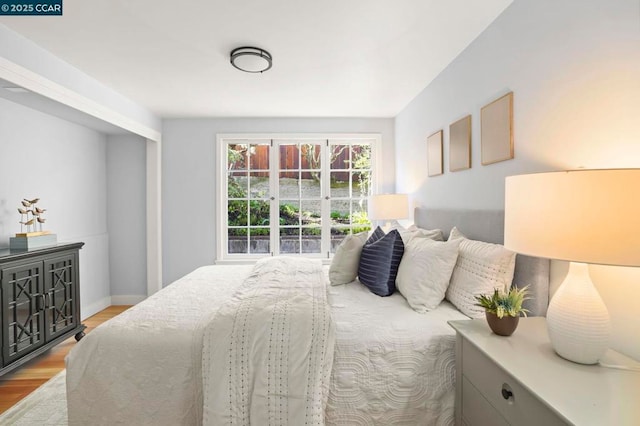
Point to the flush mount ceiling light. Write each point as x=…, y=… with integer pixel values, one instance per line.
x=251, y=59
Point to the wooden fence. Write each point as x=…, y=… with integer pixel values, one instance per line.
x=291, y=162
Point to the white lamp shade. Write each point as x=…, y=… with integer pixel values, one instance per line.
x=389, y=207
x=590, y=216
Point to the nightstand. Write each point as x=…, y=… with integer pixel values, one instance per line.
x=519, y=380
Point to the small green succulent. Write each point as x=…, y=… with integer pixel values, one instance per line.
x=505, y=303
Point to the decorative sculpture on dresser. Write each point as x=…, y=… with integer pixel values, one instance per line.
x=31, y=219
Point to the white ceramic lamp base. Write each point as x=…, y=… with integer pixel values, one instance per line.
x=577, y=318
x=386, y=227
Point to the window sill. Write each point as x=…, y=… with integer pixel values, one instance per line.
x=252, y=260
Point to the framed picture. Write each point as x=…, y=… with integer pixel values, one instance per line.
x=460, y=144
x=496, y=123
x=434, y=154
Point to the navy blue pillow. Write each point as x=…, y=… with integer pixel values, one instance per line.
x=379, y=261
x=375, y=235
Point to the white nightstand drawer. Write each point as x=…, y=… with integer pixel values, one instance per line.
x=476, y=411
x=520, y=407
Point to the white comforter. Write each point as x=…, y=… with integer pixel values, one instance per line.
x=267, y=353
x=391, y=365
x=138, y=368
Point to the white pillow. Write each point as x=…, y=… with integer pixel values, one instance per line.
x=481, y=267
x=455, y=234
x=344, y=265
x=413, y=231
x=425, y=271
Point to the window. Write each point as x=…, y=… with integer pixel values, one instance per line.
x=291, y=194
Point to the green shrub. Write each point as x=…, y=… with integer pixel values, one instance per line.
x=237, y=232
x=243, y=212
x=234, y=190
x=288, y=211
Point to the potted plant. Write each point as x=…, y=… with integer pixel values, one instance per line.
x=503, y=309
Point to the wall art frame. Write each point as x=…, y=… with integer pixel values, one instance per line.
x=460, y=144
x=434, y=154
x=496, y=130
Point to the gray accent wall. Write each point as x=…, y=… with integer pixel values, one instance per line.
x=65, y=165
x=189, y=177
x=574, y=68
x=126, y=217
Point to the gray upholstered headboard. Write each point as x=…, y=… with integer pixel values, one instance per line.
x=488, y=225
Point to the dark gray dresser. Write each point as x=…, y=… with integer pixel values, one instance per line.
x=39, y=301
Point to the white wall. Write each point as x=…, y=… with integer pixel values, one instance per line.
x=126, y=218
x=189, y=179
x=65, y=166
x=574, y=68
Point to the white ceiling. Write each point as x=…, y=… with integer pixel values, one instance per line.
x=331, y=58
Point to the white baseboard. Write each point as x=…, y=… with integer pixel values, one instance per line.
x=105, y=302
x=95, y=307
x=127, y=299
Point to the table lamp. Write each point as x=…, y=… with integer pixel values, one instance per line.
x=581, y=216
x=388, y=207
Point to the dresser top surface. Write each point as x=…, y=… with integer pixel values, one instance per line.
x=10, y=255
x=582, y=394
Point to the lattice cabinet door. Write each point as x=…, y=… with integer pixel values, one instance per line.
x=22, y=310
x=62, y=310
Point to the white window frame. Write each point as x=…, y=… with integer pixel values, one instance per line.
x=221, y=184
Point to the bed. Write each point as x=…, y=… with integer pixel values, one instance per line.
x=387, y=364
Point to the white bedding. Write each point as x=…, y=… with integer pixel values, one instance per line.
x=391, y=365
x=267, y=353
x=137, y=368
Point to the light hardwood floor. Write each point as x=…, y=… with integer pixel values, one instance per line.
x=25, y=379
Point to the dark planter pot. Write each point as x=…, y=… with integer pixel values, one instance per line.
x=504, y=326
